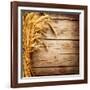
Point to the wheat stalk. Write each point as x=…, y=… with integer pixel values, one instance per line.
x=32, y=33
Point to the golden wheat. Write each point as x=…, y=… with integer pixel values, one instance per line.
x=33, y=29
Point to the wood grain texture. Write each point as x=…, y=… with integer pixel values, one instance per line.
x=62, y=54
x=64, y=16
x=55, y=59
x=60, y=46
x=64, y=29
x=55, y=71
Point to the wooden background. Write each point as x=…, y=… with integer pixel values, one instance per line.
x=62, y=56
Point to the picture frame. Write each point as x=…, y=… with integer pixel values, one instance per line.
x=54, y=75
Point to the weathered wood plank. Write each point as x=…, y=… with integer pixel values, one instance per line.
x=55, y=71
x=59, y=46
x=64, y=16
x=54, y=59
x=64, y=29
x=62, y=56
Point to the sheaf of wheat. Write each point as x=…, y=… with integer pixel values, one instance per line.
x=33, y=30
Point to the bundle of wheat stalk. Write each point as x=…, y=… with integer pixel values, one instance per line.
x=33, y=29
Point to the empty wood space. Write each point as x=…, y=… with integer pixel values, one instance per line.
x=55, y=71
x=62, y=54
x=55, y=59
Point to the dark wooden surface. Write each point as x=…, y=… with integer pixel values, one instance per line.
x=62, y=54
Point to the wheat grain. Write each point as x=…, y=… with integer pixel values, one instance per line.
x=33, y=29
